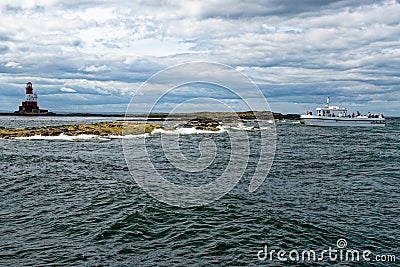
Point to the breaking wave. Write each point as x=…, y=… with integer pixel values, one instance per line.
x=82, y=137
x=242, y=127
x=187, y=131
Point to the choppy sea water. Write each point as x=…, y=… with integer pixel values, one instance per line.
x=75, y=202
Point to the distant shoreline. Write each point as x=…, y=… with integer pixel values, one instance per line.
x=243, y=115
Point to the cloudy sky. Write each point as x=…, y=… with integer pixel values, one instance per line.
x=91, y=56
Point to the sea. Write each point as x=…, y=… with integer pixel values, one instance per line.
x=331, y=194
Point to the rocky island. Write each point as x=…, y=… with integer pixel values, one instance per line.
x=100, y=129
x=103, y=129
x=140, y=124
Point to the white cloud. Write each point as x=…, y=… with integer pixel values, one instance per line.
x=67, y=90
x=94, y=68
x=13, y=65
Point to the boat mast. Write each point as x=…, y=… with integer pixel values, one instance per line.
x=327, y=102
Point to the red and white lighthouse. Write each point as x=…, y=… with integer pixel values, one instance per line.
x=31, y=98
x=30, y=105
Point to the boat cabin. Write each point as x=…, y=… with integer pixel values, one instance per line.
x=332, y=111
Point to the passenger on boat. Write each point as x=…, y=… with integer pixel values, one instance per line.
x=353, y=115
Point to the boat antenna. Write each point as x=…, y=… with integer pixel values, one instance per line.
x=328, y=99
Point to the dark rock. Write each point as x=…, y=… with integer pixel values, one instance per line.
x=279, y=116
x=203, y=123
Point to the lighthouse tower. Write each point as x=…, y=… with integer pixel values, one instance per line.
x=30, y=105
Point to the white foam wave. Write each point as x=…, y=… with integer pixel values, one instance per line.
x=60, y=137
x=187, y=131
x=128, y=136
x=242, y=127
x=82, y=137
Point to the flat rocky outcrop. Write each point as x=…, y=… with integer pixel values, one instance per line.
x=102, y=129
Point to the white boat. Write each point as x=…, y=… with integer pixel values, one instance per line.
x=339, y=116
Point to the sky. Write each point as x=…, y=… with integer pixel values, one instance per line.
x=92, y=56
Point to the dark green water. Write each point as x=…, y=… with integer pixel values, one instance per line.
x=75, y=203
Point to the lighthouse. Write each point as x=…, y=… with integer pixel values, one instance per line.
x=30, y=105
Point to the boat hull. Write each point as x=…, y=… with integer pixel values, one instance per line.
x=341, y=121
